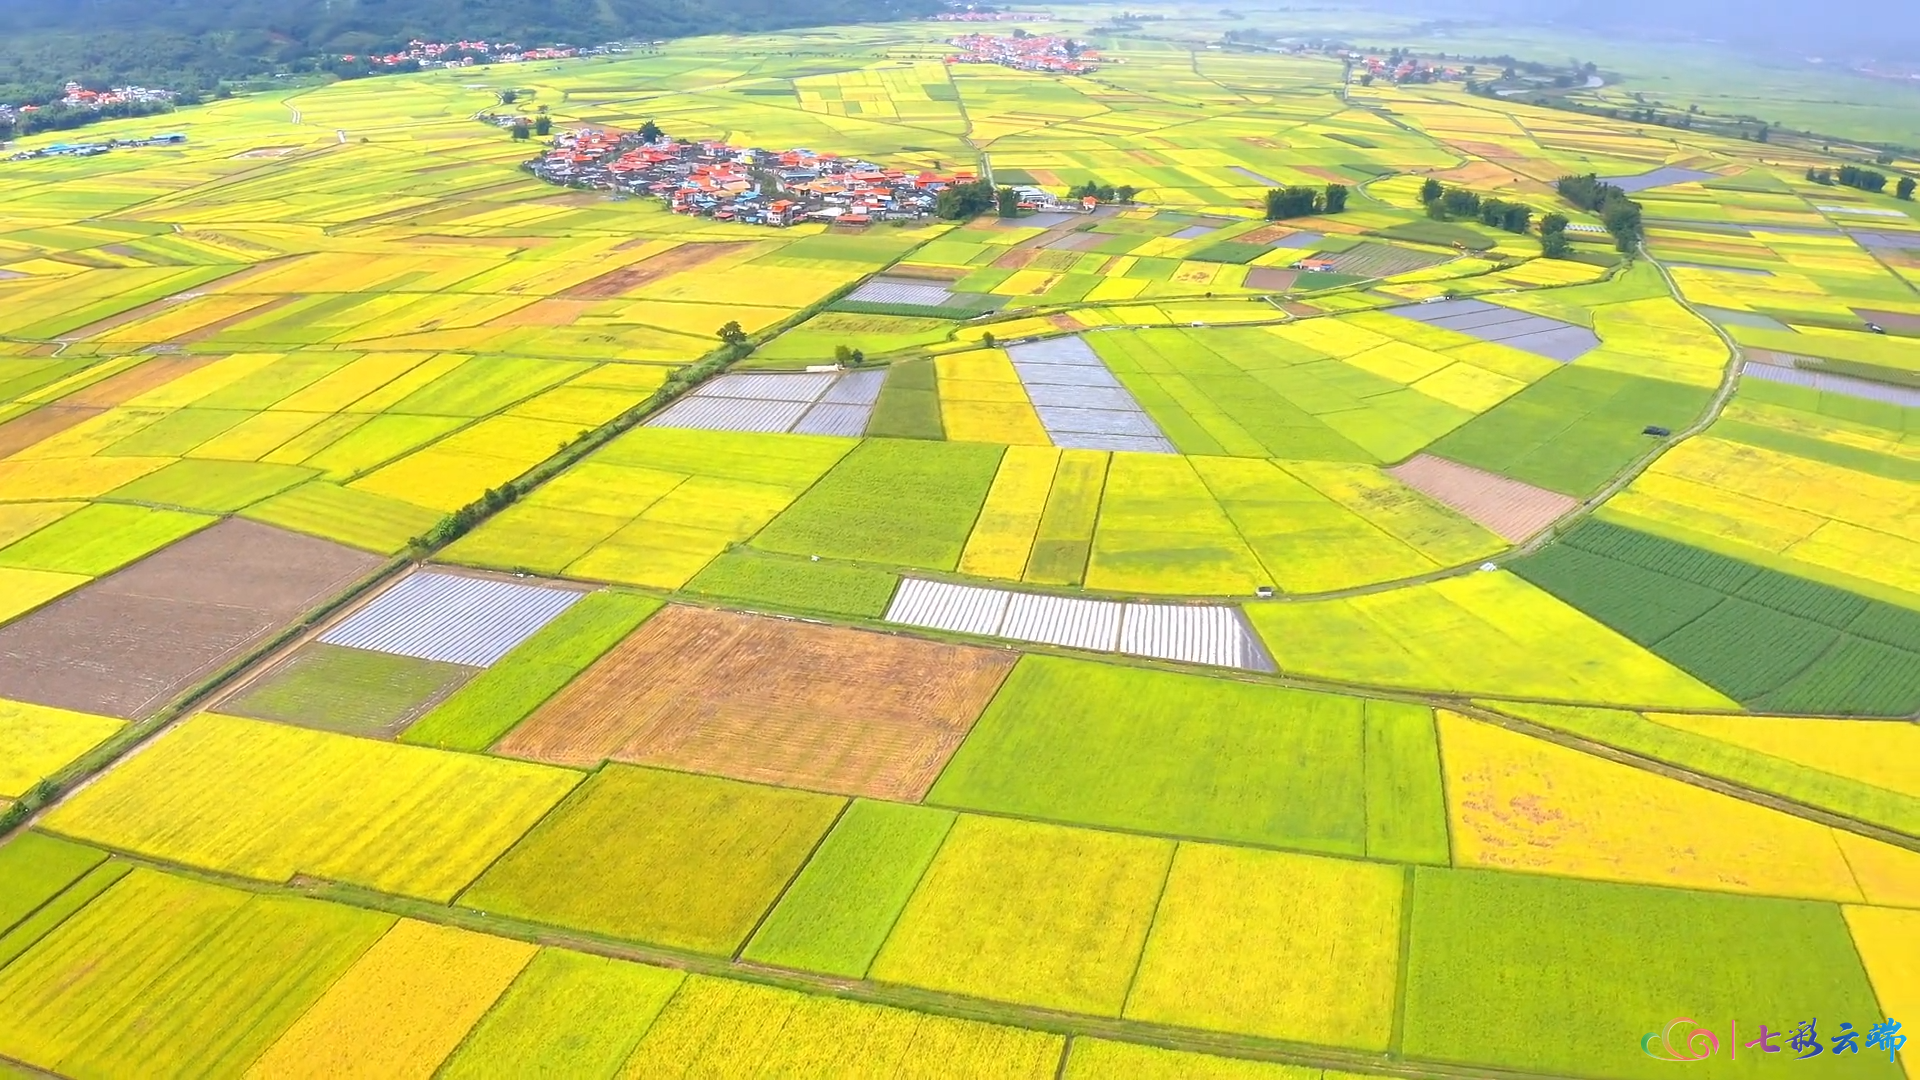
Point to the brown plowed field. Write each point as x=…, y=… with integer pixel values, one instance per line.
x=1898, y=320
x=1513, y=510
x=628, y=278
x=1271, y=278
x=772, y=700
x=129, y=643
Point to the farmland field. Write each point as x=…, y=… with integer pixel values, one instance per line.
x=1130, y=641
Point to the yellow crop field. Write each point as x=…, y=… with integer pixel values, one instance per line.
x=569, y=1013
x=1520, y=803
x=1888, y=875
x=1874, y=752
x=22, y=519
x=1029, y=913
x=401, y=819
x=1400, y=362
x=1274, y=944
x=1885, y=938
x=1002, y=538
x=717, y=1027
x=38, y=740
x=256, y=436
x=167, y=977
x=195, y=385
x=401, y=1009
x=459, y=468
x=1468, y=386
x=23, y=590
x=1483, y=630
x=1748, y=501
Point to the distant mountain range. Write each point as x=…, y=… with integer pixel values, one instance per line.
x=189, y=44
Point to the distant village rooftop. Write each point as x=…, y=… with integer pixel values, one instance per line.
x=1025, y=52
x=727, y=183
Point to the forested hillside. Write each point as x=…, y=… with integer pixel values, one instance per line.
x=188, y=44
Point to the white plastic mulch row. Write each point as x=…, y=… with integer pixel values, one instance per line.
x=805, y=403
x=1192, y=633
x=451, y=617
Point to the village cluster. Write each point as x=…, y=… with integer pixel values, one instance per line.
x=76, y=96
x=455, y=54
x=727, y=183
x=1055, y=55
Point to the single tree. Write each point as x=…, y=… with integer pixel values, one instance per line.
x=1009, y=201
x=1431, y=190
x=843, y=355
x=543, y=125
x=732, y=334
x=1336, y=198
x=522, y=130
x=1904, y=189
x=1554, y=245
x=1553, y=223
x=650, y=132
x=1125, y=193
x=987, y=339
x=508, y=97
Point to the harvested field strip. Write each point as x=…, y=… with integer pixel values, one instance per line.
x=715, y=1027
x=1032, y=914
x=489, y=706
x=567, y=1013
x=402, y=1009
x=1174, y=754
x=37, y=741
x=630, y=278
x=399, y=819
x=837, y=913
x=770, y=700
x=451, y=618
x=163, y=976
x=1192, y=633
x=599, y=863
x=352, y=691
x=1313, y=955
x=1765, y=638
x=1516, y=511
x=128, y=643
x=48, y=916
x=1609, y=955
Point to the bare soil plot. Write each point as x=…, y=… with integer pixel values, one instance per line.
x=81, y=405
x=1514, y=510
x=1895, y=320
x=42, y=423
x=772, y=700
x=1266, y=277
x=667, y=263
x=127, y=644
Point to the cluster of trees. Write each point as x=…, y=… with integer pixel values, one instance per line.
x=1618, y=213
x=66, y=117
x=1446, y=203
x=191, y=44
x=541, y=125
x=1553, y=237
x=1302, y=201
x=1852, y=176
x=1106, y=193
x=962, y=201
